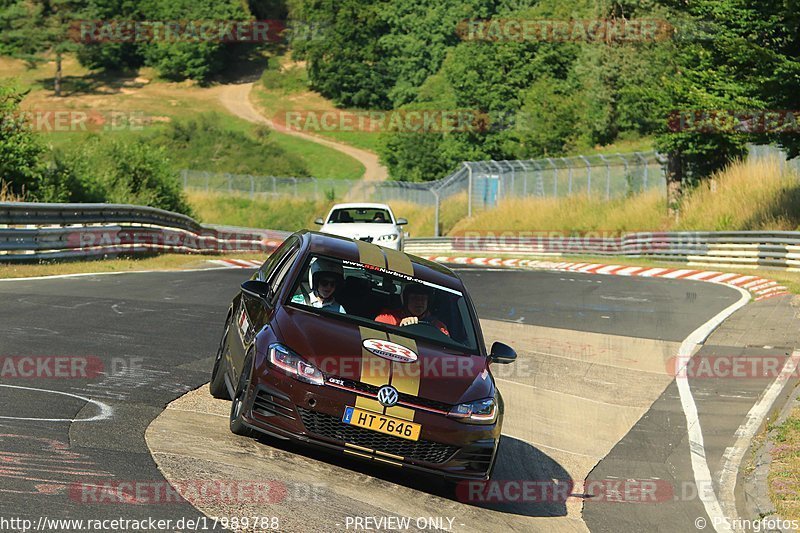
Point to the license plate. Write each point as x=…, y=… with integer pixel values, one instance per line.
x=381, y=423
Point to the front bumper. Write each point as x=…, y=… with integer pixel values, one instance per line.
x=283, y=407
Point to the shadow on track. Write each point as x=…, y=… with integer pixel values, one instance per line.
x=518, y=462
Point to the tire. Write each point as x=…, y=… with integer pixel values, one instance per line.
x=217, y=386
x=240, y=400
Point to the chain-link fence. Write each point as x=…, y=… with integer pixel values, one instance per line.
x=768, y=151
x=482, y=183
x=596, y=176
x=605, y=176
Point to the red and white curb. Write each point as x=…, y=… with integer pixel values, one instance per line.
x=760, y=288
x=238, y=263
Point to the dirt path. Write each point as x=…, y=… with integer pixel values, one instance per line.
x=236, y=99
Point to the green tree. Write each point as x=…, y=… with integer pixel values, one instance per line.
x=20, y=149
x=31, y=28
x=739, y=60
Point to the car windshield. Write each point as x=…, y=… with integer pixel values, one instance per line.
x=361, y=215
x=383, y=298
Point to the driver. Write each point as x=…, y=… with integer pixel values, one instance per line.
x=415, y=298
x=324, y=277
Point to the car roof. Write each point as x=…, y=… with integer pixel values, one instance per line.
x=367, y=253
x=365, y=205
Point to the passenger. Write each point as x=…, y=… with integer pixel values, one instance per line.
x=415, y=298
x=379, y=218
x=324, y=278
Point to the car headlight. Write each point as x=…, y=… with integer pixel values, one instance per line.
x=480, y=412
x=391, y=237
x=294, y=365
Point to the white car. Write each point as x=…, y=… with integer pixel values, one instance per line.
x=373, y=223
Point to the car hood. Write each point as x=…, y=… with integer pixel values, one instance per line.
x=335, y=346
x=358, y=230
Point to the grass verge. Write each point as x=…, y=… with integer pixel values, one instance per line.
x=159, y=262
x=784, y=472
x=752, y=195
x=291, y=214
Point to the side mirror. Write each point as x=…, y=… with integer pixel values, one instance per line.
x=502, y=354
x=319, y=222
x=257, y=289
x=402, y=221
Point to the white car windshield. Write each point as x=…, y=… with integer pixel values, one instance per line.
x=360, y=215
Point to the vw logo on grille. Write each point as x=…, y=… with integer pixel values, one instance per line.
x=387, y=395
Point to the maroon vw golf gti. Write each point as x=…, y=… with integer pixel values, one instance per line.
x=347, y=345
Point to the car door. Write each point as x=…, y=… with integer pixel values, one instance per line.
x=251, y=313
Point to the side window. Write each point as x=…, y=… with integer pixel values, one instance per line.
x=272, y=262
x=283, y=269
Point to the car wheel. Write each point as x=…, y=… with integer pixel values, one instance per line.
x=240, y=400
x=217, y=386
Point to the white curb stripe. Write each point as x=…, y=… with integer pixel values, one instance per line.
x=701, y=276
x=677, y=274
x=652, y=272
x=745, y=434
x=697, y=451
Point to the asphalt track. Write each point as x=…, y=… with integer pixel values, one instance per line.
x=154, y=334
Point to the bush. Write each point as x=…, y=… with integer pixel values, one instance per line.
x=204, y=143
x=20, y=148
x=116, y=172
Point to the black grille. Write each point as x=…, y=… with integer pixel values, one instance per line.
x=332, y=428
x=266, y=404
x=402, y=397
x=366, y=239
x=480, y=458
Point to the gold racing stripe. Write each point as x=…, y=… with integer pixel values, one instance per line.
x=393, y=456
x=398, y=262
x=358, y=447
x=394, y=463
x=405, y=378
x=370, y=254
x=369, y=404
x=374, y=370
x=359, y=454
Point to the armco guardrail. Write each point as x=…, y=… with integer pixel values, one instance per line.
x=780, y=249
x=34, y=231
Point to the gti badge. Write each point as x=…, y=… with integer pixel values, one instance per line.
x=387, y=395
x=390, y=350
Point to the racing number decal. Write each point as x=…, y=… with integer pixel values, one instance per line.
x=244, y=324
x=390, y=350
x=378, y=371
